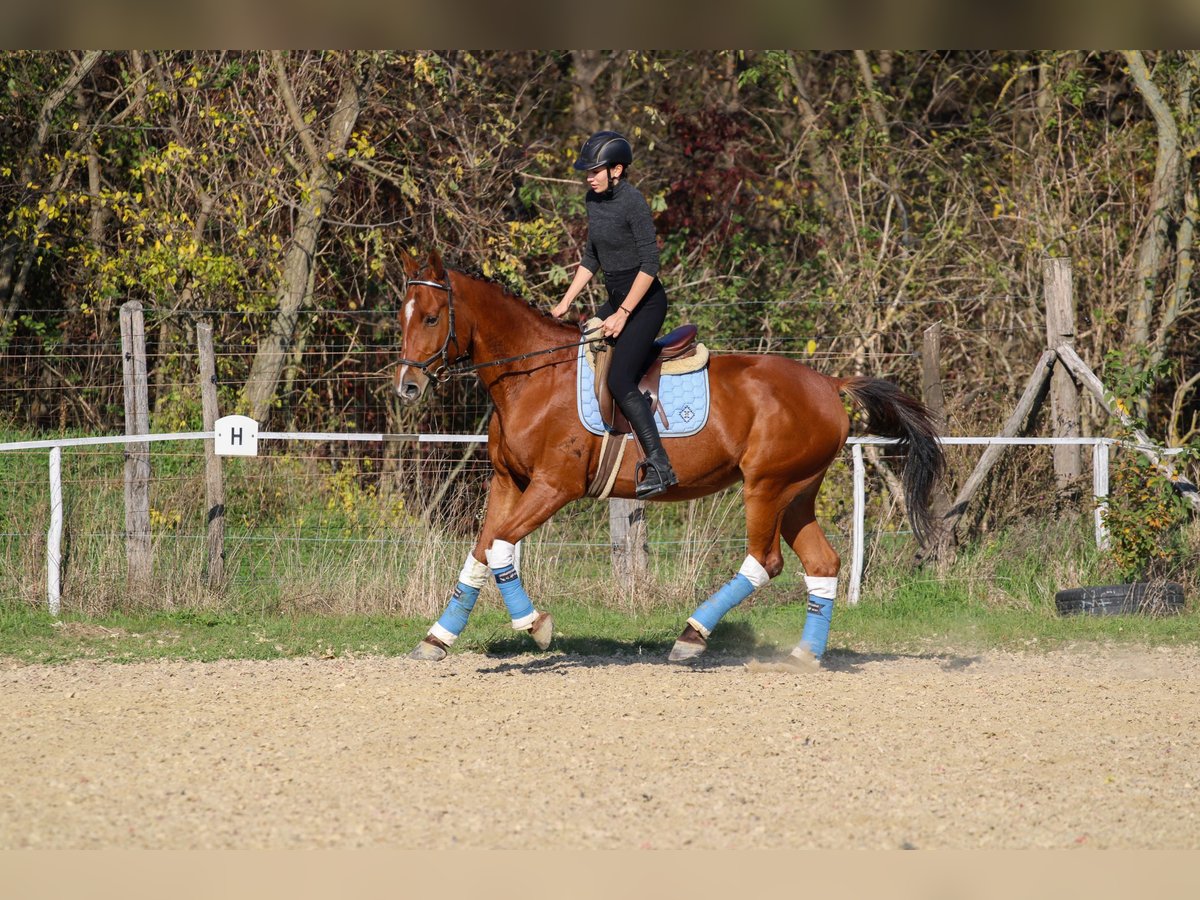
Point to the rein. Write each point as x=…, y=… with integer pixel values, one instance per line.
x=471, y=367
x=449, y=367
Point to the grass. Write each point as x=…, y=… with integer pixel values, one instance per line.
x=934, y=623
x=322, y=561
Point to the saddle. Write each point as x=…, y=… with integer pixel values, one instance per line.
x=678, y=353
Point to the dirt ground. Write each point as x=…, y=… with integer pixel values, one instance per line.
x=1095, y=748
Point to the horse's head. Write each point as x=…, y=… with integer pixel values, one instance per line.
x=430, y=342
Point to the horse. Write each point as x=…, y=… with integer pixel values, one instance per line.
x=775, y=424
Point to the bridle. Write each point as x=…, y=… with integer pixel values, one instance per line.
x=450, y=367
x=442, y=373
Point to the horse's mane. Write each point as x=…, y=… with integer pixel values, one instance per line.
x=474, y=272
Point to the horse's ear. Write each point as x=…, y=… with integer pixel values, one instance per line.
x=435, y=265
x=409, y=262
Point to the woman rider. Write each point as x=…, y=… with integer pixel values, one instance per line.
x=621, y=241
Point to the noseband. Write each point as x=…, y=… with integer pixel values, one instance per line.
x=441, y=374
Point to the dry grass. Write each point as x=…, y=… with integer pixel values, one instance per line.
x=302, y=539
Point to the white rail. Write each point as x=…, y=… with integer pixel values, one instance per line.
x=1100, y=455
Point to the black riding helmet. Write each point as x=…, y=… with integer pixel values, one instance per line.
x=604, y=148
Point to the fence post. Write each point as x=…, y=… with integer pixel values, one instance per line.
x=859, y=525
x=934, y=397
x=54, y=536
x=214, y=485
x=1100, y=490
x=627, y=532
x=137, y=455
x=1064, y=393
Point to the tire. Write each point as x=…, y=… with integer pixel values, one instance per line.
x=1150, y=597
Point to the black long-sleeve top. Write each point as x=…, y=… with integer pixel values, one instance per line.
x=620, y=232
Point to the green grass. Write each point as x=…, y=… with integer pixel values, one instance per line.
x=935, y=627
x=322, y=562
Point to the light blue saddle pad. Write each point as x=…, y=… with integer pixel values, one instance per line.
x=684, y=399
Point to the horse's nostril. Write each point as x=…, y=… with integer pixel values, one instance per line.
x=408, y=391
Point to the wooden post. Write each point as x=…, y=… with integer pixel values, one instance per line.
x=627, y=531
x=137, y=455
x=1064, y=393
x=931, y=372
x=934, y=398
x=214, y=485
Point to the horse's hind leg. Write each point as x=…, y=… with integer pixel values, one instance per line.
x=763, y=563
x=821, y=564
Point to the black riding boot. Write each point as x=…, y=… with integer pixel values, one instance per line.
x=658, y=474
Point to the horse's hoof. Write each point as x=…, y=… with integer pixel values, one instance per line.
x=688, y=645
x=429, y=650
x=682, y=651
x=542, y=630
x=802, y=660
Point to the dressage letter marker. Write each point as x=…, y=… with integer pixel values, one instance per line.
x=236, y=436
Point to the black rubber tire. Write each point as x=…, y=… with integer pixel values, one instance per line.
x=1151, y=597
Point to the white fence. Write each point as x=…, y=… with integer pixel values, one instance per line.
x=1100, y=458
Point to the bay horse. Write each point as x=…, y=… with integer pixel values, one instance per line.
x=774, y=423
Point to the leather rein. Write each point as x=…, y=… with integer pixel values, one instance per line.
x=447, y=367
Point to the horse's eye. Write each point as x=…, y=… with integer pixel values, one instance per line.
x=431, y=320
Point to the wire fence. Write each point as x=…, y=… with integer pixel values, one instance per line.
x=337, y=371
x=327, y=523
x=312, y=528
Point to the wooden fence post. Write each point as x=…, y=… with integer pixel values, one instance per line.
x=1064, y=393
x=214, y=485
x=137, y=455
x=627, y=532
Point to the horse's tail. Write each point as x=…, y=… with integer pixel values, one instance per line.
x=892, y=413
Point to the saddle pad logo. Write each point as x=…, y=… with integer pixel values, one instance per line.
x=684, y=399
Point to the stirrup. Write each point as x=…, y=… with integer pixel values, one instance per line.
x=644, y=486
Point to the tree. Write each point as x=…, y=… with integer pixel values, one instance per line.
x=19, y=248
x=1161, y=295
x=320, y=180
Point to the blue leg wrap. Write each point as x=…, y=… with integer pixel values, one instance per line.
x=816, y=624
x=458, y=610
x=513, y=592
x=709, y=613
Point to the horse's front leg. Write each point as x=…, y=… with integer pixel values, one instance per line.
x=503, y=494
x=533, y=507
x=512, y=514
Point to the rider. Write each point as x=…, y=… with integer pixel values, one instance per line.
x=621, y=241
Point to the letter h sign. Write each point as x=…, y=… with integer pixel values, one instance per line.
x=236, y=436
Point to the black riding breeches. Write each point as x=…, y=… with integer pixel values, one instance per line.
x=634, y=350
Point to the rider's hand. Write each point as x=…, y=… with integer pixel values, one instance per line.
x=561, y=309
x=614, y=324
